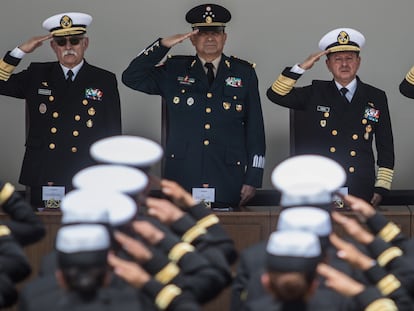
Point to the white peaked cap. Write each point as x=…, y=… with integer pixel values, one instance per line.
x=127, y=150
x=312, y=219
x=342, y=40
x=108, y=177
x=307, y=180
x=92, y=206
x=82, y=238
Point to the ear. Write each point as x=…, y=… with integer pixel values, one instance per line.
x=60, y=279
x=314, y=286
x=265, y=279
x=86, y=42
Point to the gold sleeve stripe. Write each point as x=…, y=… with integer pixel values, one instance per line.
x=167, y=273
x=389, y=232
x=166, y=296
x=208, y=221
x=384, y=178
x=179, y=250
x=193, y=233
x=6, y=192
x=388, y=255
x=4, y=230
x=382, y=304
x=283, y=85
x=410, y=76
x=5, y=70
x=388, y=285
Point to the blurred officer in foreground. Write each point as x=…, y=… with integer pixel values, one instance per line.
x=215, y=141
x=307, y=184
x=82, y=275
x=407, y=84
x=14, y=267
x=70, y=104
x=25, y=226
x=340, y=118
x=290, y=276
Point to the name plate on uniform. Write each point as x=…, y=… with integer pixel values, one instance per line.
x=204, y=194
x=52, y=196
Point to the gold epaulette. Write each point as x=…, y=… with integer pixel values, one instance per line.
x=410, y=76
x=283, y=85
x=166, y=296
x=389, y=254
x=389, y=232
x=208, y=221
x=4, y=230
x=384, y=178
x=388, y=284
x=179, y=250
x=166, y=274
x=382, y=304
x=242, y=61
x=193, y=233
x=6, y=192
x=5, y=70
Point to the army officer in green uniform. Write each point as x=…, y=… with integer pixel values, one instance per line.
x=215, y=135
x=70, y=103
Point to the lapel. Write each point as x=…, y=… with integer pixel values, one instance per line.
x=196, y=71
x=222, y=72
x=359, y=100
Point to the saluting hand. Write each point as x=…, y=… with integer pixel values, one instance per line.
x=178, y=38
x=312, y=59
x=33, y=43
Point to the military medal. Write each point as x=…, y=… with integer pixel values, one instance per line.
x=226, y=105
x=42, y=108
x=368, y=129
x=89, y=123
x=234, y=82
x=190, y=101
x=91, y=111
x=239, y=108
x=372, y=114
x=322, y=123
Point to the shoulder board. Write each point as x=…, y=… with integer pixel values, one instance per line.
x=242, y=61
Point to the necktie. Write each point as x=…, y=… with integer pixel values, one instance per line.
x=343, y=91
x=69, y=76
x=210, y=72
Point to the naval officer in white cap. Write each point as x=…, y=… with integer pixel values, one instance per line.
x=340, y=118
x=70, y=104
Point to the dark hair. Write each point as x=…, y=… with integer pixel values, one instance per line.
x=85, y=281
x=290, y=286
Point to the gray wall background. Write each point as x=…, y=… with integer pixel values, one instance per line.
x=270, y=33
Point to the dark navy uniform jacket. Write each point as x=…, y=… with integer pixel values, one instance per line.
x=215, y=134
x=327, y=124
x=64, y=119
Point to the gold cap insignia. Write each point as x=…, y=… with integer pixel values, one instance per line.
x=66, y=22
x=343, y=37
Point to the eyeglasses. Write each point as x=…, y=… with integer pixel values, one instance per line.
x=62, y=41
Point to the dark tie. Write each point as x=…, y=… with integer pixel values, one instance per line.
x=343, y=91
x=69, y=76
x=210, y=72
